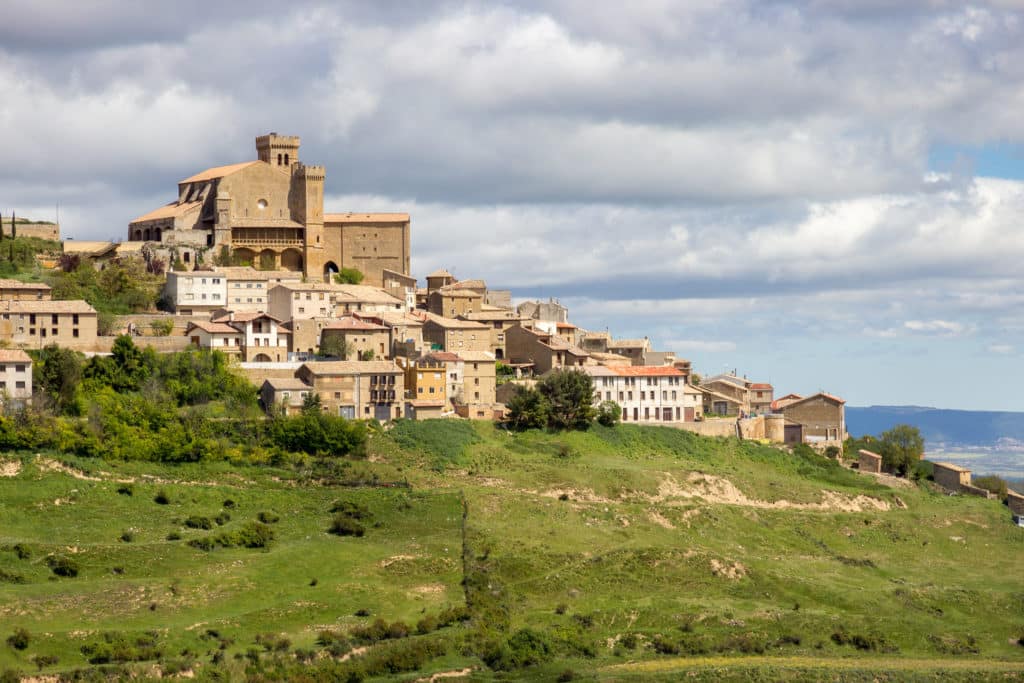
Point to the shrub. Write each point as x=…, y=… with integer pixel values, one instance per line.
x=126, y=490
x=222, y=518
x=832, y=452
x=22, y=551
x=205, y=543
x=379, y=630
x=19, y=640
x=11, y=577
x=351, y=509
x=174, y=536
x=664, y=646
x=116, y=647
x=566, y=676
x=43, y=661
x=629, y=641
x=993, y=484
x=609, y=413
x=362, y=612
x=525, y=647
x=273, y=643
x=561, y=608
x=228, y=504
x=426, y=625
x=252, y=535
x=346, y=526
x=268, y=517
x=62, y=566
x=161, y=498
x=127, y=536
x=198, y=522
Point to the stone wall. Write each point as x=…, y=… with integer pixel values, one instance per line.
x=43, y=231
x=1015, y=502
x=707, y=427
x=752, y=427
x=951, y=477
x=869, y=462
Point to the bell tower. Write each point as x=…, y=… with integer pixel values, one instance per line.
x=280, y=151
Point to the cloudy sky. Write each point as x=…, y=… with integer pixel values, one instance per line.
x=820, y=194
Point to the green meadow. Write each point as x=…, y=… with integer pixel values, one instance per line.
x=623, y=553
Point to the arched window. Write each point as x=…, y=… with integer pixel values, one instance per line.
x=278, y=159
x=286, y=162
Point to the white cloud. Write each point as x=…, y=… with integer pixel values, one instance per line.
x=940, y=327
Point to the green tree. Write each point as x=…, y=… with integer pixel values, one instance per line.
x=570, y=396
x=335, y=346
x=311, y=404
x=528, y=409
x=609, y=413
x=56, y=374
x=695, y=379
x=14, y=231
x=162, y=327
x=901, y=447
x=348, y=276
x=366, y=355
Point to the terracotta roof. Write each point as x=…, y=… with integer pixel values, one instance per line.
x=366, y=293
x=351, y=367
x=350, y=323
x=287, y=384
x=762, y=386
x=366, y=218
x=6, y=283
x=452, y=323
x=172, y=210
x=869, y=454
x=212, y=327
x=645, y=371
x=440, y=273
x=243, y=316
x=459, y=293
x=477, y=356
x=951, y=466
x=393, y=318
x=467, y=284
x=218, y=172
x=247, y=273
x=565, y=326
x=443, y=356
x=830, y=397
x=46, y=306
x=14, y=356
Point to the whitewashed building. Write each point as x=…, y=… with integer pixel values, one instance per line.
x=646, y=394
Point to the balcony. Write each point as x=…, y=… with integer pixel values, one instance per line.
x=266, y=242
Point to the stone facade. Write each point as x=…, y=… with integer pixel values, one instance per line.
x=822, y=416
x=43, y=231
x=248, y=289
x=479, y=383
x=499, y=321
x=544, y=351
x=270, y=212
x=357, y=389
x=35, y=324
x=869, y=462
x=16, y=290
x=455, y=336
x=951, y=477
x=360, y=336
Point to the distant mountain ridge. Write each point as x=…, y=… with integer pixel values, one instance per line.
x=978, y=428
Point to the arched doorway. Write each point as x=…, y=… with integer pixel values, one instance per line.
x=156, y=234
x=261, y=358
x=268, y=260
x=291, y=259
x=145, y=235
x=243, y=257
x=330, y=270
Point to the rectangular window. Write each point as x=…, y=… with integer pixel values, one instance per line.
x=74, y=332
x=19, y=368
x=19, y=385
x=53, y=319
x=53, y=331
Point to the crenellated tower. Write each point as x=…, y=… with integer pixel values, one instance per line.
x=280, y=151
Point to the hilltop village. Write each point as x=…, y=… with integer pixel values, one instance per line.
x=321, y=304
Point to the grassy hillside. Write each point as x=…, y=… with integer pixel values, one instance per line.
x=621, y=553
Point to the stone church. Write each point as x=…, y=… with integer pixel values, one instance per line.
x=270, y=212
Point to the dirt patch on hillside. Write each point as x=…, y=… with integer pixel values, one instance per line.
x=50, y=465
x=713, y=489
x=429, y=589
x=579, y=495
x=10, y=468
x=660, y=519
x=384, y=564
x=441, y=675
x=733, y=571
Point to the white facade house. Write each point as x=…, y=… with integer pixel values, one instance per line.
x=15, y=376
x=194, y=292
x=248, y=289
x=263, y=337
x=211, y=335
x=648, y=394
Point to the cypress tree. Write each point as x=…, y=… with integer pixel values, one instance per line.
x=14, y=231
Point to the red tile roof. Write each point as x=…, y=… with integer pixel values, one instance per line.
x=645, y=371
x=761, y=387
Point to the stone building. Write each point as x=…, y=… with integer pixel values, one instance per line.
x=455, y=336
x=499, y=321
x=357, y=389
x=479, y=384
x=869, y=461
x=248, y=289
x=263, y=338
x=822, y=416
x=15, y=377
x=195, y=292
x=951, y=477
x=541, y=351
x=549, y=311
x=360, y=336
x=16, y=290
x=35, y=324
x=270, y=212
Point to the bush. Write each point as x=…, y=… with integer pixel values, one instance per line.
x=993, y=484
x=427, y=624
x=198, y=522
x=609, y=413
x=566, y=676
x=273, y=643
x=174, y=536
x=116, y=647
x=228, y=504
x=22, y=551
x=344, y=525
x=62, y=566
x=127, y=536
x=350, y=509
x=268, y=517
x=450, y=615
x=11, y=577
x=664, y=646
x=43, y=661
x=629, y=641
x=205, y=543
x=525, y=647
x=19, y=640
x=126, y=490
x=161, y=498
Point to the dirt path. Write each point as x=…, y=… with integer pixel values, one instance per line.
x=10, y=468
